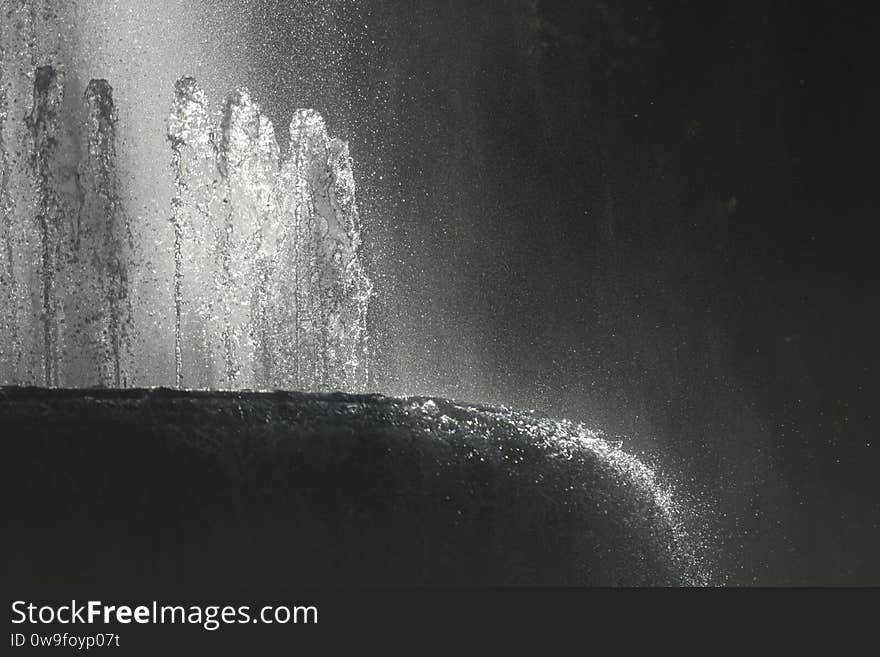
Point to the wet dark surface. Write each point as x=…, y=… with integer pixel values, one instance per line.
x=172, y=488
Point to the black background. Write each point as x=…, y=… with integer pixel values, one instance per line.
x=656, y=218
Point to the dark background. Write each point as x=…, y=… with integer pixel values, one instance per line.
x=656, y=218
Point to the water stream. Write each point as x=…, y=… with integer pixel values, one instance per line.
x=268, y=289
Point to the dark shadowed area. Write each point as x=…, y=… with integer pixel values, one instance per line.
x=194, y=490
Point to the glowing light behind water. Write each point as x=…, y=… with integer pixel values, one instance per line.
x=270, y=233
x=143, y=48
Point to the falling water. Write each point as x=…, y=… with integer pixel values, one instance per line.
x=269, y=289
x=268, y=286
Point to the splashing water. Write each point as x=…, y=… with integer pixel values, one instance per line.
x=266, y=248
x=268, y=286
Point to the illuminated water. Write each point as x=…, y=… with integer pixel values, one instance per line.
x=267, y=289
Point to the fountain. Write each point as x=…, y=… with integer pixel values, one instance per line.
x=269, y=289
x=261, y=287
